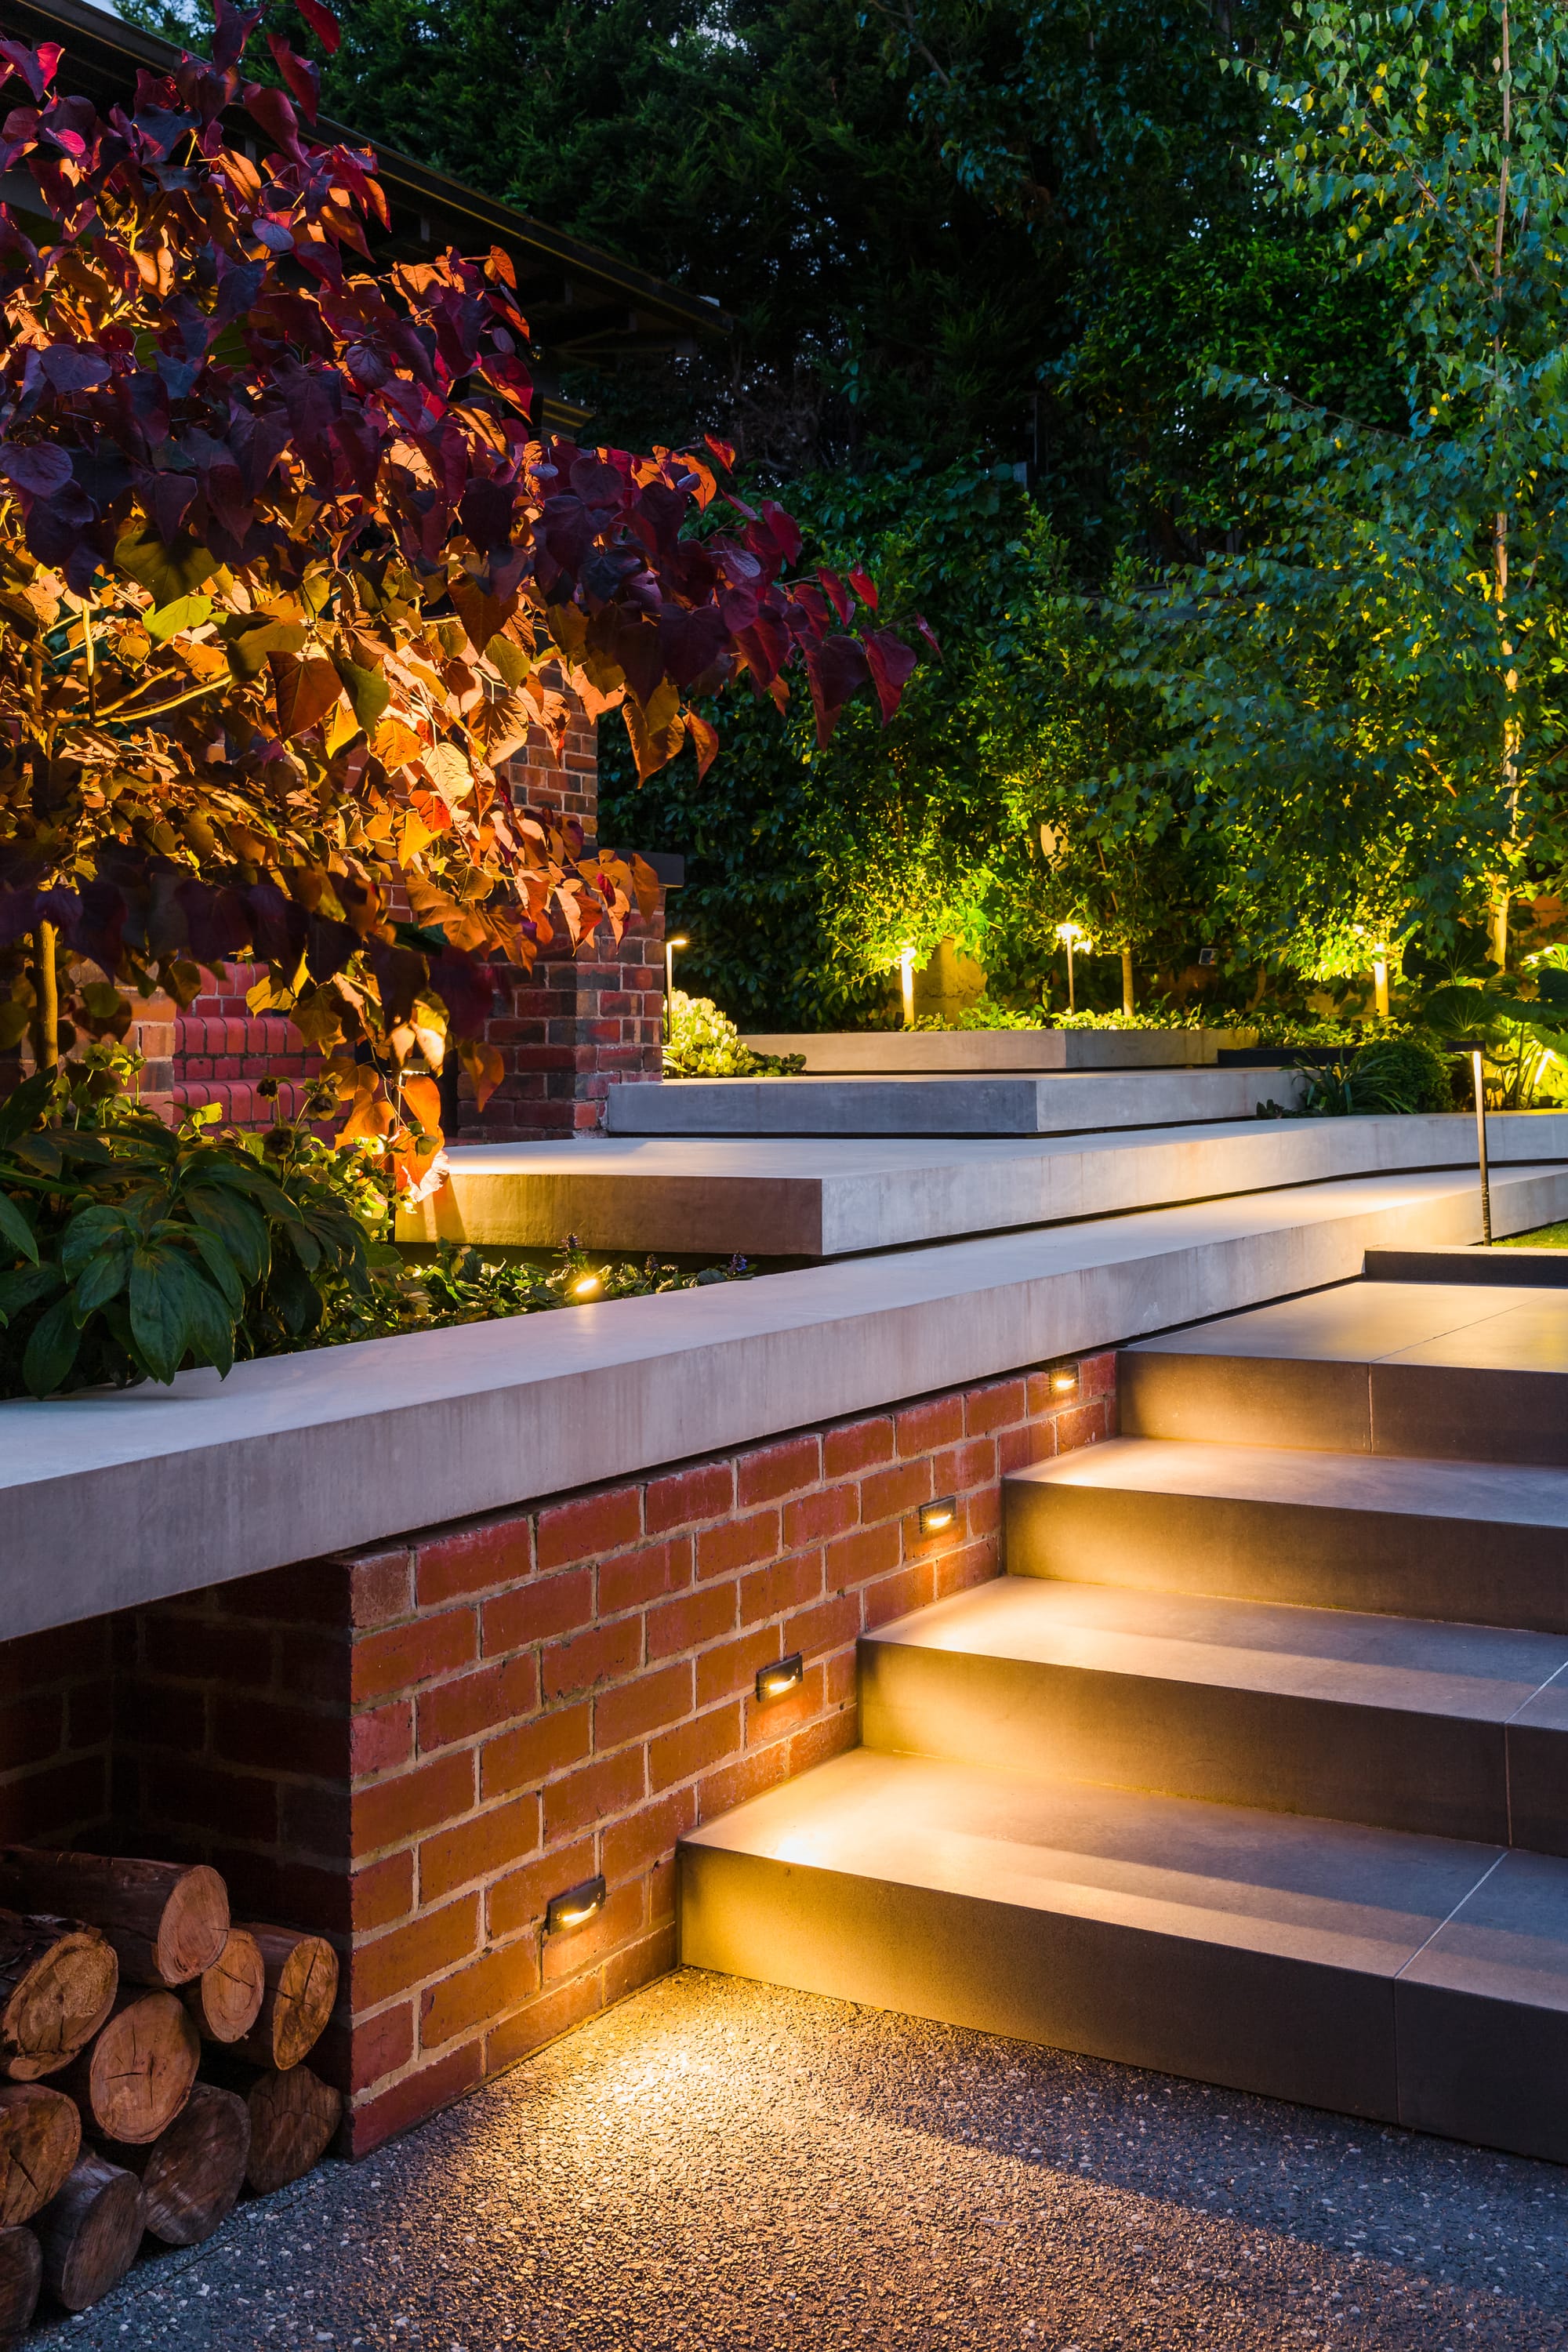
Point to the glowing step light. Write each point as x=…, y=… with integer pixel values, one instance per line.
x=575, y=1908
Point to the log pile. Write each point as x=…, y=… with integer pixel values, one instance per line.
x=152, y=2066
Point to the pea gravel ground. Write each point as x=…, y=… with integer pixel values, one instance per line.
x=716, y=2164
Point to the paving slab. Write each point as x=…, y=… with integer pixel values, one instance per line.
x=1066, y=1103
x=826, y=1196
x=723, y=2166
x=903, y=1052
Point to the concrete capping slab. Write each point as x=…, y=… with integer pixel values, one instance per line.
x=910, y=1052
x=829, y=1196
x=113, y=1499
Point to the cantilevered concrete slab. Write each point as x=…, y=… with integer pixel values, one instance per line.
x=795, y=1196
x=910, y=1052
x=298, y=1454
x=1063, y=1103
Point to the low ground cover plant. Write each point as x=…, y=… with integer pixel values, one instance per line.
x=704, y=1043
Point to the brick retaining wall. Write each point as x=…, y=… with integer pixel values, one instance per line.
x=413, y=1746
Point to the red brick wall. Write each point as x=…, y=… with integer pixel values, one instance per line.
x=412, y=1749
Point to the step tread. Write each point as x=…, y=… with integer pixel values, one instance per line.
x=1365, y=1900
x=1500, y=1493
x=1483, y=1674
x=1459, y=1324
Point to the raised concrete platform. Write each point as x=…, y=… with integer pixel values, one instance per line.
x=1063, y=1103
x=827, y=1196
x=299, y=1455
x=909, y=1052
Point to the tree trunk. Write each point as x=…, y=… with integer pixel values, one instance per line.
x=57, y=1982
x=301, y=1986
x=41, y=2139
x=293, y=2119
x=21, y=2277
x=137, y=2076
x=226, y=2000
x=91, y=2232
x=166, y=1923
x=193, y=2173
x=1127, y=982
x=47, y=1013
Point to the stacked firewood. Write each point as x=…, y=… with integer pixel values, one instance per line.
x=151, y=2066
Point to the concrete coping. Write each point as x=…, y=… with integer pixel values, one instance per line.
x=111, y=1500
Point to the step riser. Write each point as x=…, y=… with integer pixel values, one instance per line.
x=1394, y=1564
x=1251, y=2022
x=1438, y=1775
x=1466, y=2067
x=1440, y=1413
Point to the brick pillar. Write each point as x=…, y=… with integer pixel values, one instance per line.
x=567, y=1032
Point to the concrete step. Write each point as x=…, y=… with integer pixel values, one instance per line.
x=1062, y=1102
x=1467, y=1542
x=1453, y=1371
x=910, y=1052
x=1445, y=1730
x=1410, y=1980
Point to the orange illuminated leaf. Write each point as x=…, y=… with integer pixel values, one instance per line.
x=302, y=691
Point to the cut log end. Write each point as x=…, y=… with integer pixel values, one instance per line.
x=193, y=2173
x=226, y=2000
x=91, y=2232
x=57, y=1983
x=301, y=1986
x=41, y=2139
x=292, y=2119
x=138, y=2074
x=195, y=1925
x=21, y=2278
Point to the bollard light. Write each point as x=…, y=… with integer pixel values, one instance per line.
x=906, y=985
x=679, y=939
x=1071, y=937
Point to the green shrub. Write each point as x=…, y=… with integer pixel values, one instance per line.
x=704, y=1043
x=1390, y=1075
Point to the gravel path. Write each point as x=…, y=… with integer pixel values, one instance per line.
x=719, y=2165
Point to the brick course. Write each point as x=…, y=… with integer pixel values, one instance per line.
x=411, y=1749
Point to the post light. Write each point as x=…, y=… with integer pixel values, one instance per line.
x=1064, y=1380
x=784, y=1675
x=935, y=1517
x=906, y=985
x=575, y=1907
x=678, y=940
x=1380, y=980
x=1071, y=937
x=1481, y=1147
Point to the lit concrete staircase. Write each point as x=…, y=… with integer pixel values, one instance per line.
x=1255, y=1769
